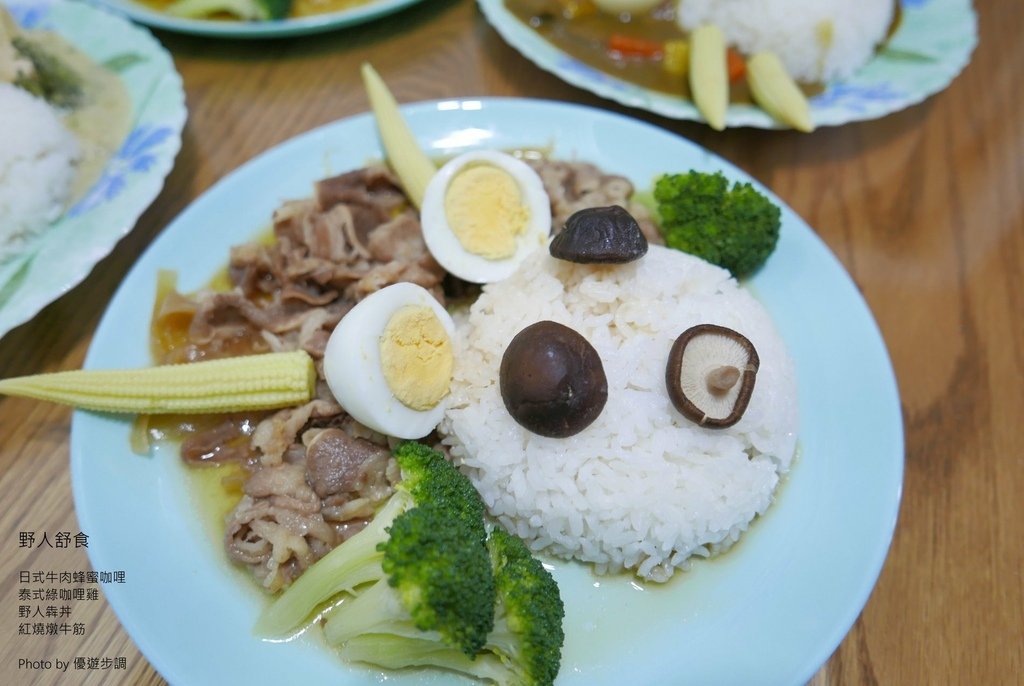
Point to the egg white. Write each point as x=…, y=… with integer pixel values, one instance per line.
x=445, y=246
x=352, y=363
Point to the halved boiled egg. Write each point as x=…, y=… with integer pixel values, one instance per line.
x=389, y=361
x=483, y=212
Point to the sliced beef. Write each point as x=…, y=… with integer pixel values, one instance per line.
x=337, y=463
x=285, y=485
x=280, y=430
x=398, y=239
x=226, y=441
x=373, y=194
x=574, y=186
x=294, y=512
x=275, y=541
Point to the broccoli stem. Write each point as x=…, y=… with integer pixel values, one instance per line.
x=378, y=609
x=353, y=563
x=398, y=652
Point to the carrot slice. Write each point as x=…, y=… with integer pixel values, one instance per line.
x=736, y=64
x=634, y=47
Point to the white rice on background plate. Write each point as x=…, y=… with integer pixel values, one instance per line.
x=816, y=41
x=641, y=488
x=64, y=253
x=37, y=167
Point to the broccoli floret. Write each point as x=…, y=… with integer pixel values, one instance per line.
x=527, y=633
x=523, y=649
x=250, y=10
x=50, y=78
x=438, y=586
x=736, y=228
x=427, y=479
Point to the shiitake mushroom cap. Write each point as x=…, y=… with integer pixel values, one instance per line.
x=552, y=381
x=599, y=235
x=704, y=365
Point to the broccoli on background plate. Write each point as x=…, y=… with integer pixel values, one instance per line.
x=733, y=227
x=50, y=77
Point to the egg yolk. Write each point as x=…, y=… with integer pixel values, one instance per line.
x=416, y=357
x=485, y=210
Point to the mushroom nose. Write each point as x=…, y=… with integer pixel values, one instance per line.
x=710, y=375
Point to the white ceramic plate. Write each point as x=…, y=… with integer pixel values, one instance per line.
x=933, y=44
x=65, y=253
x=258, y=29
x=770, y=611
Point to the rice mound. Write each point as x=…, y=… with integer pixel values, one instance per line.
x=641, y=488
x=38, y=158
x=816, y=41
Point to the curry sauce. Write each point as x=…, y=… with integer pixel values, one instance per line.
x=578, y=28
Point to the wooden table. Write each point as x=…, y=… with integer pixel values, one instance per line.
x=924, y=208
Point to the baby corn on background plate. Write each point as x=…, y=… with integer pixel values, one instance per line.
x=769, y=612
x=66, y=252
x=931, y=47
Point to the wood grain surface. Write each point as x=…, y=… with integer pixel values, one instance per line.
x=924, y=208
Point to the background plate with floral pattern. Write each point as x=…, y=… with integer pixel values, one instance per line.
x=60, y=257
x=931, y=46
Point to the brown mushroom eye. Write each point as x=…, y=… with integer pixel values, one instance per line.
x=552, y=380
x=710, y=375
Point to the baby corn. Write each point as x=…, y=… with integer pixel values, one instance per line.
x=250, y=382
x=412, y=166
x=709, y=74
x=776, y=91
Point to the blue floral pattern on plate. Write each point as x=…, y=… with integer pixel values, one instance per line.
x=857, y=97
x=140, y=152
x=932, y=45
x=31, y=15
x=66, y=252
